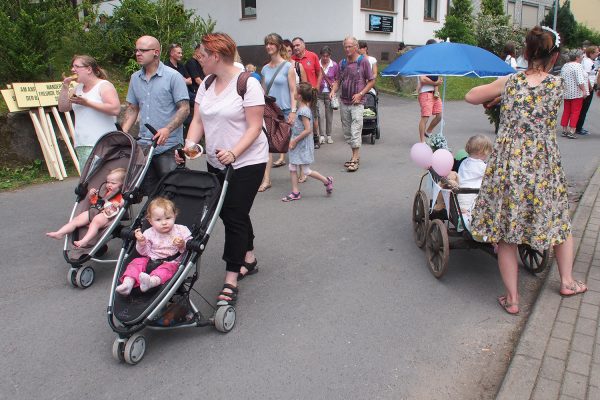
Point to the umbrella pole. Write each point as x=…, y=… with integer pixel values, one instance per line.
x=443, y=106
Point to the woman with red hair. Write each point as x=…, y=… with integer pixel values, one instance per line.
x=231, y=126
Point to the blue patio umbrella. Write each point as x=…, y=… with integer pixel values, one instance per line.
x=448, y=59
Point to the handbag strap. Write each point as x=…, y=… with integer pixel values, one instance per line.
x=275, y=76
x=326, y=77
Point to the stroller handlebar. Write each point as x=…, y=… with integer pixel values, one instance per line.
x=154, y=132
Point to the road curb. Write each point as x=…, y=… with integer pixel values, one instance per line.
x=524, y=369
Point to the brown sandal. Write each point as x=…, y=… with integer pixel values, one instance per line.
x=264, y=186
x=577, y=287
x=352, y=167
x=506, y=305
x=348, y=163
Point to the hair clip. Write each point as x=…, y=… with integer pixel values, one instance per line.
x=556, y=35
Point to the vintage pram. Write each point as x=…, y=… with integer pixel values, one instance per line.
x=440, y=231
x=113, y=150
x=199, y=197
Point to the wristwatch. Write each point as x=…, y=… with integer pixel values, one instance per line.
x=294, y=110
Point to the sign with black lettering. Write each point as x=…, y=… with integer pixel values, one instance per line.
x=26, y=95
x=381, y=23
x=48, y=93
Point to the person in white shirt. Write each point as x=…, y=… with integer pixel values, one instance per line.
x=575, y=90
x=589, y=69
x=509, y=53
x=363, y=49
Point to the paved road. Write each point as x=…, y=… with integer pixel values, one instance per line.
x=343, y=307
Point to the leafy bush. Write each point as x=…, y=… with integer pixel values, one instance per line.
x=34, y=36
x=493, y=32
x=113, y=40
x=565, y=24
x=458, y=25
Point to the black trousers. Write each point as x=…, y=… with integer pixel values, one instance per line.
x=239, y=235
x=160, y=165
x=584, y=109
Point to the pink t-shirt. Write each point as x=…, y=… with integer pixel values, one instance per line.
x=160, y=245
x=224, y=122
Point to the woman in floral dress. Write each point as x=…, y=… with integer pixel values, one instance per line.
x=523, y=197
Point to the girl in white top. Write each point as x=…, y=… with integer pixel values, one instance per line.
x=94, y=101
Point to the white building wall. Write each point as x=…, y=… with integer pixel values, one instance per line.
x=317, y=20
x=313, y=20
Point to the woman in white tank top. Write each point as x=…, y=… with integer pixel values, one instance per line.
x=95, y=103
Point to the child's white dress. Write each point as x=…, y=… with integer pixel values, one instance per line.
x=470, y=175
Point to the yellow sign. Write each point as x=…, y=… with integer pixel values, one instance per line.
x=26, y=95
x=48, y=93
x=11, y=101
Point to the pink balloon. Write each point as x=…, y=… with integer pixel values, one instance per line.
x=442, y=162
x=421, y=154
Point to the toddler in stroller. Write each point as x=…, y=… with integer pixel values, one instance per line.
x=160, y=246
x=106, y=206
x=470, y=174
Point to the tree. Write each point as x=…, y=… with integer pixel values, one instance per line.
x=458, y=25
x=565, y=24
x=492, y=7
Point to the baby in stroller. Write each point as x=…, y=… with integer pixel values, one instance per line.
x=106, y=209
x=470, y=174
x=160, y=246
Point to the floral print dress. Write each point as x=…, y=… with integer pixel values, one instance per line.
x=523, y=196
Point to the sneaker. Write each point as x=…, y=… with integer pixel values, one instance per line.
x=322, y=140
x=329, y=140
x=582, y=132
x=570, y=135
x=329, y=185
x=317, y=145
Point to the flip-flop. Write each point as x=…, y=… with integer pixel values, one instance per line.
x=575, y=286
x=278, y=163
x=506, y=305
x=302, y=179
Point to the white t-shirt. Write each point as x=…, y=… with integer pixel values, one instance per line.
x=372, y=61
x=470, y=175
x=573, y=76
x=224, y=122
x=510, y=60
x=588, y=69
x=91, y=124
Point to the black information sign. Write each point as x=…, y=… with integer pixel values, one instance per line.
x=381, y=23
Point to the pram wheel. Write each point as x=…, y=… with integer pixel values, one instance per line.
x=420, y=216
x=438, y=248
x=377, y=133
x=372, y=138
x=118, y=350
x=225, y=318
x=85, y=277
x=71, y=275
x=533, y=261
x=134, y=349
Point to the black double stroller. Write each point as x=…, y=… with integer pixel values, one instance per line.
x=199, y=197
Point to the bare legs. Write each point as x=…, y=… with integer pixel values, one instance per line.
x=507, y=262
x=99, y=222
x=81, y=220
x=429, y=129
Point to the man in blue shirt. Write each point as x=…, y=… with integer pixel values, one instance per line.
x=159, y=97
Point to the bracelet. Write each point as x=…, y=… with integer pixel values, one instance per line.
x=232, y=155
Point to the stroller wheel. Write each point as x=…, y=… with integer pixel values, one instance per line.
x=225, y=318
x=85, y=277
x=372, y=138
x=134, y=349
x=71, y=275
x=437, y=248
x=118, y=350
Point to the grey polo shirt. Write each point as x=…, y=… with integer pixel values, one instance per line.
x=156, y=99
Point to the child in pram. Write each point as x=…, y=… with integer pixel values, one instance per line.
x=113, y=200
x=162, y=245
x=470, y=174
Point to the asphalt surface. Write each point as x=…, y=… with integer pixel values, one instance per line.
x=344, y=305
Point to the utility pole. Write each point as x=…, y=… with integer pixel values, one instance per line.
x=555, y=13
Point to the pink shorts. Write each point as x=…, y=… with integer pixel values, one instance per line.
x=430, y=105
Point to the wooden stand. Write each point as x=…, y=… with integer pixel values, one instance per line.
x=52, y=136
x=65, y=137
x=49, y=153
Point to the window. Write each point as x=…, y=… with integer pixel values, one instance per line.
x=248, y=8
x=382, y=5
x=430, y=10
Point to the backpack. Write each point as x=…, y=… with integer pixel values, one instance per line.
x=275, y=127
x=344, y=62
